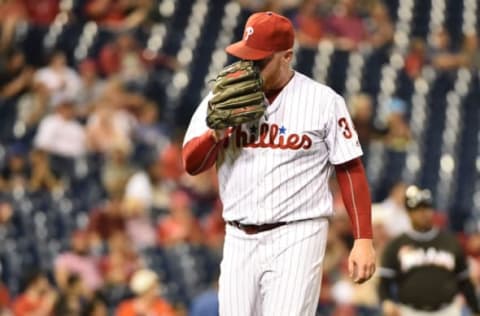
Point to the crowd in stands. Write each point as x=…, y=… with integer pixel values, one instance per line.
x=92, y=133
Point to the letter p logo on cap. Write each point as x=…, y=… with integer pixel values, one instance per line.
x=248, y=33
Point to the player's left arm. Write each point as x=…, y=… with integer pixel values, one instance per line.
x=356, y=197
x=344, y=153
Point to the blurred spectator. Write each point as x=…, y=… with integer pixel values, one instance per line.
x=269, y=5
x=109, y=128
x=205, y=304
x=15, y=74
x=91, y=87
x=32, y=107
x=361, y=109
x=116, y=95
x=121, y=261
x=398, y=131
x=380, y=27
x=470, y=50
x=78, y=260
x=4, y=299
x=171, y=160
x=96, y=307
x=6, y=212
x=213, y=227
x=61, y=80
x=392, y=211
x=71, y=299
x=145, y=285
x=415, y=58
x=203, y=189
x=150, y=131
x=441, y=54
x=147, y=188
x=143, y=192
x=107, y=219
x=42, y=12
x=60, y=134
x=42, y=176
x=38, y=297
x=345, y=26
x=12, y=14
x=16, y=173
x=309, y=23
x=180, y=225
x=116, y=171
x=123, y=58
x=118, y=15
x=28, y=171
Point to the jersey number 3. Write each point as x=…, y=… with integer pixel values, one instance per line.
x=343, y=123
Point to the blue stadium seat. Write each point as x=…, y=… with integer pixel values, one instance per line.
x=176, y=26
x=453, y=22
x=421, y=18
x=305, y=60
x=373, y=65
x=462, y=203
x=433, y=133
x=337, y=71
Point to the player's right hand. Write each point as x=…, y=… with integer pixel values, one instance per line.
x=361, y=262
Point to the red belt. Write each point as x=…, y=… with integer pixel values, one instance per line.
x=255, y=229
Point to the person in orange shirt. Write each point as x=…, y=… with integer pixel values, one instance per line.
x=145, y=285
x=37, y=299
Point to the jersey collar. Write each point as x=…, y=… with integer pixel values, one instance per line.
x=423, y=236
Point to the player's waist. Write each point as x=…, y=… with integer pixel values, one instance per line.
x=255, y=229
x=251, y=229
x=262, y=216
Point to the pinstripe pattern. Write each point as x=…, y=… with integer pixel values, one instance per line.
x=259, y=277
x=276, y=170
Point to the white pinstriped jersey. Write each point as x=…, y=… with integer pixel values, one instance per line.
x=283, y=175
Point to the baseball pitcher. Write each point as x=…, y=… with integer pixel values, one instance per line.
x=276, y=136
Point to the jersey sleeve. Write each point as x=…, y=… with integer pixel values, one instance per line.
x=341, y=137
x=198, y=123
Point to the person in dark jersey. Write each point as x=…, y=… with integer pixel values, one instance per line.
x=424, y=269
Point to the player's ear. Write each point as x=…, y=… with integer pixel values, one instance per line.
x=288, y=55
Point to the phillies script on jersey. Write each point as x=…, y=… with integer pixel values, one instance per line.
x=268, y=136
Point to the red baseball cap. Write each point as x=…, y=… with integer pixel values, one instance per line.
x=265, y=34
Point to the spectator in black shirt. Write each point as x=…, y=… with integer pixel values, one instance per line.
x=15, y=75
x=16, y=172
x=423, y=270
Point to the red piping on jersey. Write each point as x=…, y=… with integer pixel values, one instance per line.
x=356, y=197
x=200, y=153
x=355, y=210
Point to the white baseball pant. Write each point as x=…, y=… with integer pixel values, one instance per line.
x=276, y=272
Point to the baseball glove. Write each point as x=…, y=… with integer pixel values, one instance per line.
x=237, y=96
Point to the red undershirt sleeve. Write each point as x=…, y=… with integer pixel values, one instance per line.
x=200, y=153
x=356, y=197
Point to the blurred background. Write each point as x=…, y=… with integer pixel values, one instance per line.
x=96, y=211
